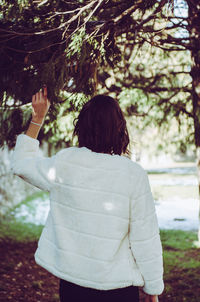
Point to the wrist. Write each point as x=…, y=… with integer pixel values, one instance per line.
x=37, y=120
x=36, y=124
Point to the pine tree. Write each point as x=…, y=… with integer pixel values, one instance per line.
x=61, y=44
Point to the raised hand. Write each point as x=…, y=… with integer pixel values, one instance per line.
x=40, y=105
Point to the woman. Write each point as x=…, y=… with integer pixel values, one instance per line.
x=101, y=237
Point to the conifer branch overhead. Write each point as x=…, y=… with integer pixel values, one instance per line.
x=37, y=36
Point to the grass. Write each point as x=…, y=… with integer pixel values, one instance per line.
x=179, y=250
x=19, y=231
x=181, y=266
x=177, y=239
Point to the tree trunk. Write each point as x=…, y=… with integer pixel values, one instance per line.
x=196, y=112
x=194, y=32
x=198, y=173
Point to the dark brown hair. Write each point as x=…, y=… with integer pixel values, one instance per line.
x=101, y=126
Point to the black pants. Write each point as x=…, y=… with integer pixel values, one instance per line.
x=70, y=292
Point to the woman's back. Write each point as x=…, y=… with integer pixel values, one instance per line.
x=88, y=224
x=102, y=230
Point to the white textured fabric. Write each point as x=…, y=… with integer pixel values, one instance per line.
x=102, y=230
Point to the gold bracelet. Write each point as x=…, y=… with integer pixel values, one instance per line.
x=36, y=123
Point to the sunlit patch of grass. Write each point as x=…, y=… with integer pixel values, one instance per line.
x=19, y=231
x=177, y=239
x=171, y=259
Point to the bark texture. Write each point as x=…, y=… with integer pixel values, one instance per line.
x=194, y=30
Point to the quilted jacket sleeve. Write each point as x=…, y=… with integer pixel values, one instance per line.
x=27, y=163
x=145, y=238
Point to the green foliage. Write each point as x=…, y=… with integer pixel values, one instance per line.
x=156, y=91
x=62, y=44
x=109, y=53
x=44, y=50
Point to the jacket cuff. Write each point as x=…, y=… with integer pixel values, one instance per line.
x=27, y=143
x=154, y=287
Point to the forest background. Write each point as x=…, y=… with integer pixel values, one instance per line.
x=146, y=54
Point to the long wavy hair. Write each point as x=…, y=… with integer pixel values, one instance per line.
x=101, y=126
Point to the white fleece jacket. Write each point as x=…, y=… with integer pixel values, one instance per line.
x=102, y=230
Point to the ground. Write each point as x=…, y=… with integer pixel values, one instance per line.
x=22, y=280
